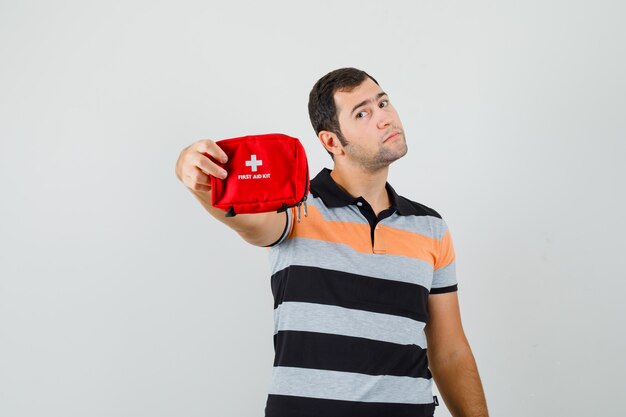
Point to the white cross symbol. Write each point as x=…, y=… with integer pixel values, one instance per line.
x=254, y=163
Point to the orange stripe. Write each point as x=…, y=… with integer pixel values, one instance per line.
x=404, y=243
x=387, y=240
x=314, y=226
x=446, y=251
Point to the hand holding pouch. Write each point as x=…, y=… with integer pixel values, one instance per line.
x=265, y=173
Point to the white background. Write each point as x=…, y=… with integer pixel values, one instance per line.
x=121, y=296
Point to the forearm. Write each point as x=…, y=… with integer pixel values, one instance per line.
x=238, y=223
x=203, y=195
x=194, y=169
x=255, y=228
x=459, y=383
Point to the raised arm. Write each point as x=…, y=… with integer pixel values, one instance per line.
x=194, y=168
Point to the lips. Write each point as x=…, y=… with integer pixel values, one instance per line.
x=391, y=136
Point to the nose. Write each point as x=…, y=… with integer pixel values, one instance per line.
x=385, y=119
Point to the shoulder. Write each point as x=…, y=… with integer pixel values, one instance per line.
x=427, y=219
x=408, y=207
x=417, y=209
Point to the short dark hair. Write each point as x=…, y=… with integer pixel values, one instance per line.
x=322, y=109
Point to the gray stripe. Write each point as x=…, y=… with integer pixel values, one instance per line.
x=339, y=214
x=430, y=226
x=340, y=257
x=348, y=386
x=446, y=276
x=321, y=318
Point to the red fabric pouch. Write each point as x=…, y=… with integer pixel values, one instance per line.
x=265, y=173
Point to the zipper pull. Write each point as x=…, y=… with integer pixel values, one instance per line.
x=305, y=213
x=298, y=214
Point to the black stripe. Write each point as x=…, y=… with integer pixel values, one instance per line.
x=294, y=406
x=443, y=290
x=326, y=286
x=349, y=354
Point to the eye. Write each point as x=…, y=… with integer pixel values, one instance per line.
x=383, y=104
x=361, y=114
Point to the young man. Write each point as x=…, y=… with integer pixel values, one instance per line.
x=364, y=283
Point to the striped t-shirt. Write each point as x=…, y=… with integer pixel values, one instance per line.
x=350, y=305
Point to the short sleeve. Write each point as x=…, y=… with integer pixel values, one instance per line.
x=444, y=274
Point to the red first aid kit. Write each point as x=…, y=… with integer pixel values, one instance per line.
x=265, y=173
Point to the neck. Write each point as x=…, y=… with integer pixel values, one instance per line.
x=361, y=183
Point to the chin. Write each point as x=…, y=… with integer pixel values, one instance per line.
x=403, y=152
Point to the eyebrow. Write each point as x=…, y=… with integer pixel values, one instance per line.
x=364, y=102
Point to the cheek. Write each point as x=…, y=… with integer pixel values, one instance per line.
x=396, y=116
x=351, y=130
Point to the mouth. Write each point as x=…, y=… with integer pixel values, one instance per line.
x=393, y=135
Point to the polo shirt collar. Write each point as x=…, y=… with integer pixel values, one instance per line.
x=326, y=188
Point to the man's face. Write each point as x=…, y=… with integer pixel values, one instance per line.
x=370, y=125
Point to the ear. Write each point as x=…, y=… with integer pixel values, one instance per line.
x=330, y=141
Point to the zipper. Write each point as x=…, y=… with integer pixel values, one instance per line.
x=306, y=192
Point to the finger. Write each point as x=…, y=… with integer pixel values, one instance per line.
x=211, y=148
x=197, y=180
x=209, y=167
x=201, y=178
x=201, y=188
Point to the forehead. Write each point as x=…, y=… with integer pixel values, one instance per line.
x=346, y=100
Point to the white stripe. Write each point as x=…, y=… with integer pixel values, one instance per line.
x=340, y=257
x=445, y=277
x=343, y=321
x=349, y=386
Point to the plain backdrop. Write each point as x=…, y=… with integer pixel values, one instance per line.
x=120, y=296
